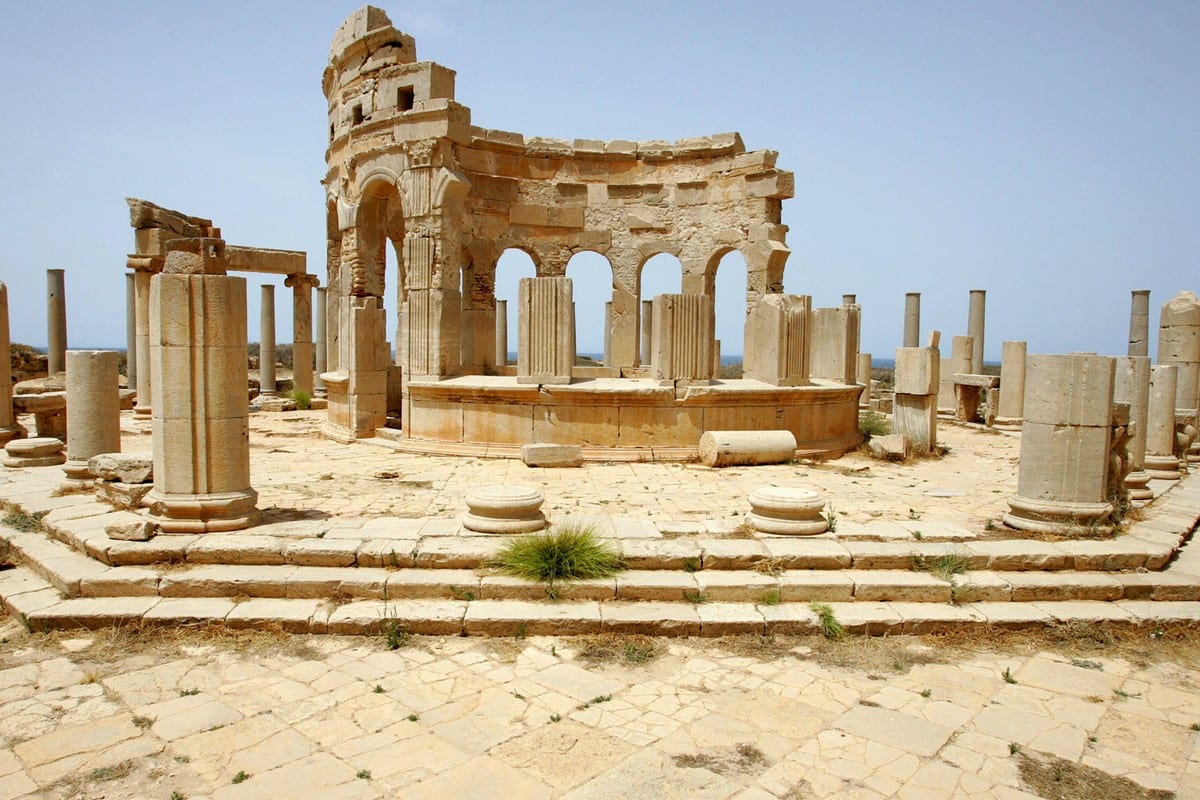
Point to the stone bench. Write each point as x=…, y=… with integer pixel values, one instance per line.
x=973, y=392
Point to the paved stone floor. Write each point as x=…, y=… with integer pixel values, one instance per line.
x=256, y=715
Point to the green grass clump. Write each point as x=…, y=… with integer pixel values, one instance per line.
x=942, y=567
x=20, y=521
x=873, y=424
x=301, y=398
x=564, y=553
x=830, y=628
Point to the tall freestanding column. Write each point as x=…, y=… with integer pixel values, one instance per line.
x=1062, y=481
x=1161, y=462
x=1139, y=323
x=1012, y=384
x=975, y=325
x=647, y=332
x=141, y=289
x=94, y=404
x=9, y=427
x=912, y=319
x=130, y=331
x=201, y=416
x=266, y=343
x=302, y=347
x=501, y=333
x=321, y=356
x=1132, y=385
x=56, y=321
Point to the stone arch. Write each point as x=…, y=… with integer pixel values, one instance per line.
x=593, y=284
x=379, y=222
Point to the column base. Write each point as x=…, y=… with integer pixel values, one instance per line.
x=1059, y=518
x=203, y=513
x=1137, y=484
x=78, y=471
x=1163, y=468
x=14, y=431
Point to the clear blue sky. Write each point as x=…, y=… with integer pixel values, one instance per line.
x=1046, y=152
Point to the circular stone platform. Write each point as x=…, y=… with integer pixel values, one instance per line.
x=621, y=419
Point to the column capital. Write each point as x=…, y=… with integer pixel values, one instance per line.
x=302, y=280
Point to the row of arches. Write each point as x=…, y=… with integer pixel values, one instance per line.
x=592, y=281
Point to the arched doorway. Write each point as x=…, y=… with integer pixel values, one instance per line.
x=660, y=274
x=512, y=265
x=591, y=277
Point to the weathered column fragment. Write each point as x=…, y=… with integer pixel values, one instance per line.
x=647, y=332
x=9, y=427
x=864, y=373
x=1012, y=384
x=545, y=331
x=912, y=319
x=1179, y=344
x=778, y=332
x=1062, y=483
x=834, y=349
x=320, y=344
x=1139, y=323
x=975, y=325
x=266, y=343
x=130, y=331
x=608, y=322
x=94, y=409
x=357, y=391
x=959, y=362
x=56, y=321
x=914, y=409
x=1132, y=386
x=683, y=338
x=501, y=333
x=1161, y=462
x=141, y=288
x=200, y=420
x=302, y=347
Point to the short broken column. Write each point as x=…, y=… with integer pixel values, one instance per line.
x=504, y=509
x=959, y=363
x=1139, y=323
x=40, y=451
x=683, y=339
x=201, y=414
x=1131, y=385
x=1062, y=482
x=266, y=343
x=545, y=331
x=1010, y=409
x=834, y=349
x=56, y=321
x=94, y=409
x=784, y=510
x=912, y=319
x=647, y=343
x=9, y=427
x=1161, y=463
x=746, y=448
x=914, y=409
x=302, y=346
x=501, y=333
x=864, y=374
x=975, y=326
x=777, y=340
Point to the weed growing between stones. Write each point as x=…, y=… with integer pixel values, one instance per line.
x=564, y=553
x=301, y=398
x=830, y=628
x=873, y=424
x=395, y=634
x=942, y=567
x=20, y=521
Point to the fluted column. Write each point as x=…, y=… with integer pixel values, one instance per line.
x=545, y=331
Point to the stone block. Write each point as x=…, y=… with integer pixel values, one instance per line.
x=552, y=455
x=892, y=447
x=122, y=467
x=918, y=370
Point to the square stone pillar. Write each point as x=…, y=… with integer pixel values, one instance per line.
x=1012, y=384
x=357, y=392
x=914, y=410
x=778, y=332
x=647, y=343
x=1063, y=477
x=302, y=327
x=545, y=331
x=682, y=350
x=200, y=421
x=834, y=349
x=1179, y=344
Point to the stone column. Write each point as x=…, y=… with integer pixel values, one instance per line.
x=357, y=391
x=1062, y=482
x=9, y=427
x=683, y=339
x=912, y=319
x=501, y=333
x=959, y=362
x=647, y=332
x=1161, y=462
x=141, y=288
x=834, y=351
x=778, y=330
x=1139, y=323
x=608, y=320
x=266, y=343
x=56, y=321
x=975, y=315
x=320, y=346
x=1012, y=384
x=1179, y=344
x=302, y=347
x=864, y=373
x=914, y=409
x=545, y=331
x=1132, y=385
x=201, y=418
x=130, y=331
x=94, y=409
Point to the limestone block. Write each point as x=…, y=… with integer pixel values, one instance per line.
x=787, y=510
x=834, y=343
x=915, y=418
x=1073, y=389
x=892, y=447
x=1179, y=345
x=545, y=331
x=504, y=509
x=682, y=345
x=777, y=340
x=552, y=455
x=122, y=467
x=140, y=531
x=917, y=370
x=122, y=495
x=730, y=448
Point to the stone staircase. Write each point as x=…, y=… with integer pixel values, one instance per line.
x=682, y=579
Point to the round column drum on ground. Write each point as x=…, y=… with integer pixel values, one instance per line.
x=40, y=451
x=504, y=509
x=787, y=510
